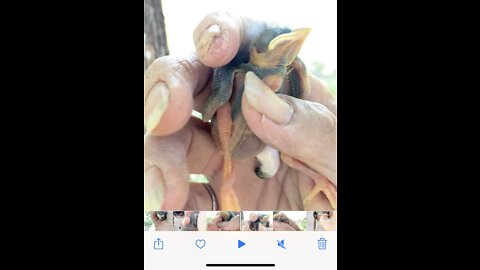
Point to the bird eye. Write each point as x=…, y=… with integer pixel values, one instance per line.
x=263, y=40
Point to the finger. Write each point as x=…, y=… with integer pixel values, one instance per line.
x=220, y=36
x=289, y=221
x=203, y=155
x=166, y=174
x=283, y=121
x=246, y=225
x=169, y=86
x=212, y=227
x=170, y=159
x=232, y=225
x=217, y=39
x=153, y=189
x=320, y=93
x=186, y=220
x=280, y=226
x=154, y=217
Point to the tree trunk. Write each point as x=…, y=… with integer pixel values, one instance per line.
x=155, y=39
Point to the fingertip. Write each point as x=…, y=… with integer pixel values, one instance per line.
x=263, y=100
x=186, y=221
x=155, y=104
x=154, y=190
x=176, y=114
x=217, y=39
x=258, y=123
x=170, y=85
x=176, y=189
x=153, y=216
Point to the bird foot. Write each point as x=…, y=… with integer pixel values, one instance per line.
x=228, y=198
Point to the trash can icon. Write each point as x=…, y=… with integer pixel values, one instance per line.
x=158, y=244
x=322, y=243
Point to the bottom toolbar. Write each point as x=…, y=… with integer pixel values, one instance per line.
x=241, y=250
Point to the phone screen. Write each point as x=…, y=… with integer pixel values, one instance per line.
x=240, y=149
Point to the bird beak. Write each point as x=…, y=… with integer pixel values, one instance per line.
x=288, y=45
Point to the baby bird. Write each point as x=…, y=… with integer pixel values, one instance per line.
x=272, y=56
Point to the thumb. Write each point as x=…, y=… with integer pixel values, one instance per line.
x=301, y=129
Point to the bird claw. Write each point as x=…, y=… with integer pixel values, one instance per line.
x=229, y=199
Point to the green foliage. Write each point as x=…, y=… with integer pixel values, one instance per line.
x=147, y=222
x=302, y=224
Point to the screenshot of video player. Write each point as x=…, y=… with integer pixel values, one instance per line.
x=240, y=145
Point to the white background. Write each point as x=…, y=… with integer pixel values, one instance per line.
x=180, y=251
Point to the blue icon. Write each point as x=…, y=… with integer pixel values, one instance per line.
x=322, y=243
x=158, y=244
x=200, y=243
x=281, y=244
x=240, y=243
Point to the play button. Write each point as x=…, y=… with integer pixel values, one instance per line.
x=240, y=244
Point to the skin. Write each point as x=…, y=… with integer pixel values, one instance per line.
x=253, y=218
x=218, y=225
x=286, y=225
x=161, y=225
x=178, y=144
x=328, y=224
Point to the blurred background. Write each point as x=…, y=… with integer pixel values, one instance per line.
x=169, y=25
x=147, y=222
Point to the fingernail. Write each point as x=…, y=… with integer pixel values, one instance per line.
x=207, y=38
x=265, y=101
x=155, y=105
x=153, y=189
x=211, y=39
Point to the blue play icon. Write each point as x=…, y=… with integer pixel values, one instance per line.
x=240, y=244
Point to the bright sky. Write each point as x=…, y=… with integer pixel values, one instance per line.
x=181, y=17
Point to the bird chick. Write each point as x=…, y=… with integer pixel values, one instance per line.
x=272, y=56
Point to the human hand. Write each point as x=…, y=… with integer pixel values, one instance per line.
x=219, y=225
x=246, y=226
x=160, y=225
x=283, y=223
x=178, y=144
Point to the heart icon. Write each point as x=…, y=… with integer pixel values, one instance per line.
x=200, y=243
